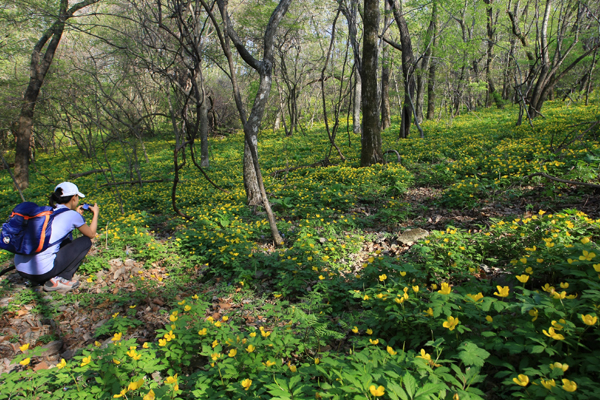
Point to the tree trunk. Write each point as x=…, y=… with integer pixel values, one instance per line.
x=265, y=71
x=253, y=195
x=491, y=31
x=204, y=161
x=371, y=138
x=432, y=66
x=351, y=15
x=356, y=123
x=385, y=76
x=421, y=78
x=408, y=68
x=38, y=69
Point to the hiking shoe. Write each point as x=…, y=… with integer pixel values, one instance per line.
x=58, y=283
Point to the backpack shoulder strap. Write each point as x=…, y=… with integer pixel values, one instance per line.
x=54, y=215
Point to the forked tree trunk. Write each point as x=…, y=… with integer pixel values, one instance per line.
x=265, y=71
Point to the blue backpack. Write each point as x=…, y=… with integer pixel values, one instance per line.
x=28, y=229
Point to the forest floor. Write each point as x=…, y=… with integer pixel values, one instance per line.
x=344, y=230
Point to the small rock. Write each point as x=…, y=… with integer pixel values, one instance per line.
x=67, y=355
x=42, y=365
x=322, y=240
x=412, y=235
x=52, y=348
x=129, y=263
x=118, y=273
x=158, y=301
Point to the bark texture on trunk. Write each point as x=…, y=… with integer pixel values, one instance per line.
x=491, y=31
x=371, y=138
x=356, y=123
x=408, y=68
x=432, y=65
x=386, y=120
x=351, y=15
x=425, y=62
x=204, y=161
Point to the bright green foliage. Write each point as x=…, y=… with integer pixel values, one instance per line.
x=327, y=316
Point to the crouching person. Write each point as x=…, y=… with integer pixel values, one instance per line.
x=55, y=266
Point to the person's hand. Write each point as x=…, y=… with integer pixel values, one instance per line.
x=95, y=209
x=80, y=210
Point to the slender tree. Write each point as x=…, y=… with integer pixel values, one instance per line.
x=41, y=60
x=371, y=139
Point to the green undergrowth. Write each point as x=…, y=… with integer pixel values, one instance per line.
x=324, y=316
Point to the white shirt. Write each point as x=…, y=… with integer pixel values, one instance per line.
x=40, y=263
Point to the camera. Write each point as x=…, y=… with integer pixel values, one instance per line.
x=86, y=207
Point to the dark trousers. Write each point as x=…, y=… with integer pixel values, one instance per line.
x=67, y=261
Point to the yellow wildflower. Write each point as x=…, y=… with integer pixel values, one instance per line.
x=250, y=348
x=391, y=351
x=424, y=355
x=445, y=288
x=589, y=320
x=476, y=297
x=137, y=384
x=377, y=391
x=551, y=333
x=24, y=347
x=61, y=364
x=86, y=361
x=569, y=386
x=382, y=277
x=355, y=329
x=150, y=395
x=521, y=380
x=502, y=291
x=376, y=341
x=246, y=383
x=451, y=323
x=548, y=384
x=25, y=361
x=489, y=318
x=558, y=365
x=522, y=278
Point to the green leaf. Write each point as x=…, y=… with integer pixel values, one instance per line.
x=410, y=384
x=471, y=354
x=394, y=388
x=537, y=349
x=430, y=388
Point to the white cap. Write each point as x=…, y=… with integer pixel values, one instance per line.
x=69, y=189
